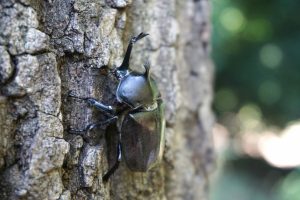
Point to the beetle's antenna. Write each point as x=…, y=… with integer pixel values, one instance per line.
x=125, y=64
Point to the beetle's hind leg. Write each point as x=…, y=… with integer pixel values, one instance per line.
x=115, y=166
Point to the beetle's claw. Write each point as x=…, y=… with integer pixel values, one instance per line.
x=71, y=94
x=73, y=131
x=105, y=178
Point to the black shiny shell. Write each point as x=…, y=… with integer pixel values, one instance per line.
x=137, y=89
x=143, y=138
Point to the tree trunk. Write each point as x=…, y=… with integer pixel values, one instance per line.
x=49, y=48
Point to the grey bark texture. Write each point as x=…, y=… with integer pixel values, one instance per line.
x=49, y=48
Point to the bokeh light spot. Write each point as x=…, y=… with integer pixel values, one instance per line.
x=271, y=56
x=250, y=115
x=282, y=150
x=269, y=92
x=232, y=19
x=225, y=100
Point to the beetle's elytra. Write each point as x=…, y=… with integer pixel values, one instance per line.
x=135, y=131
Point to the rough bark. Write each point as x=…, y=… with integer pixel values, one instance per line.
x=48, y=48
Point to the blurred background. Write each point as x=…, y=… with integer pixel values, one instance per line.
x=256, y=50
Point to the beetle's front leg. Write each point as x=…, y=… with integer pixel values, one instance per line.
x=107, y=109
x=100, y=106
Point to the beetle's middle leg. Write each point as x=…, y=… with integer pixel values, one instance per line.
x=92, y=126
x=107, y=109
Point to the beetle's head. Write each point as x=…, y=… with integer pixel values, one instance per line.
x=121, y=73
x=137, y=89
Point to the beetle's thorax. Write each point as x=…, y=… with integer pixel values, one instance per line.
x=136, y=90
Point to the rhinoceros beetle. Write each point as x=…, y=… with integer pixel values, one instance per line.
x=135, y=130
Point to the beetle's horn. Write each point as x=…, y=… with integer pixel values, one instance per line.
x=147, y=68
x=125, y=63
x=140, y=36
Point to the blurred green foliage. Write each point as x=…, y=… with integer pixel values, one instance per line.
x=289, y=187
x=256, y=49
x=254, y=179
x=247, y=179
